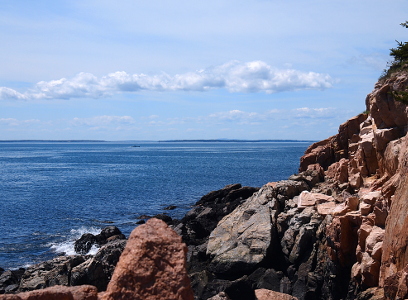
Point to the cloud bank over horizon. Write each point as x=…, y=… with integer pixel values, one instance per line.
x=234, y=76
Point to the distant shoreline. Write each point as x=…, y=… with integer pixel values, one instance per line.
x=235, y=140
x=163, y=141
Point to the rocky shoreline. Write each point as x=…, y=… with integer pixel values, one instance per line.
x=335, y=230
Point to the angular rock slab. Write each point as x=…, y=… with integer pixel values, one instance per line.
x=83, y=292
x=264, y=294
x=242, y=239
x=309, y=199
x=152, y=266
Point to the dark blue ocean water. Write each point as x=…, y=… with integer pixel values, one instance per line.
x=51, y=193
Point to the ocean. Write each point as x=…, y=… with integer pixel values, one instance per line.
x=53, y=192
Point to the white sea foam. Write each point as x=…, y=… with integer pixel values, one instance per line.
x=67, y=246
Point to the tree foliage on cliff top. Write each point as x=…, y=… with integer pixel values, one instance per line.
x=400, y=55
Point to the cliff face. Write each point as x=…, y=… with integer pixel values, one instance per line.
x=370, y=154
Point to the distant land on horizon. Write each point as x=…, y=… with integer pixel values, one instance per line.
x=160, y=141
x=236, y=140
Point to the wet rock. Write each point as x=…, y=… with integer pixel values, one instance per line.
x=85, y=243
x=98, y=270
x=109, y=233
x=170, y=207
x=87, y=240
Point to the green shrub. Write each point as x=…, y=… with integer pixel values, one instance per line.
x=400, y=55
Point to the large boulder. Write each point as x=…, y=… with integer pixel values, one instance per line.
x=152, y=266
x=198, y=223
x=243, y=238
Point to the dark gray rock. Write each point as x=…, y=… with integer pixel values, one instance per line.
x=166, y=218
x=170, y=207
x=9, y=280
x=270, y=280
x=53, y=272
x=98, y=270
x=198, y=223
x=87, y=240
x=85, y=243
x=240, y=289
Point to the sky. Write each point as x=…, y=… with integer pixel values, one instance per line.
x=163, y=70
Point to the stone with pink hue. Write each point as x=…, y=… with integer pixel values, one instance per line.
x=349, y=205
x=371, y=197
x=310, y=199
x=264, y=294
x=365, y=208
x=375, y=237
x=82, y=292
x=338, y=171
x=321, y=153
x=152, y=266
x=326, y=208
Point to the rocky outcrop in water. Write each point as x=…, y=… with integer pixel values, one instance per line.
x=87, y=240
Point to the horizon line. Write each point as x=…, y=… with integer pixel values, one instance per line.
x=159, y=141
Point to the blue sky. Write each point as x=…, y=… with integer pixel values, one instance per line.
x=155, y=70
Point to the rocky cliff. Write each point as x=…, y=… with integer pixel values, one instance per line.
x=337, y=230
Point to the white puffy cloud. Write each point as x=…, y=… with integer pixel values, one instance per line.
x=7, y=93
x=236, y=77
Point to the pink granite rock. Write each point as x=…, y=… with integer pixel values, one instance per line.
x=82, y=292
x=152, y=266
x=309, y=199
x=264, y=294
